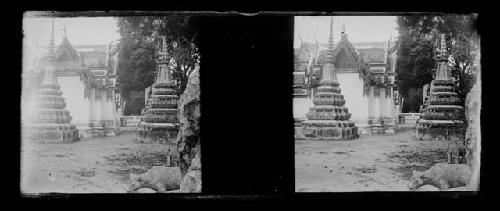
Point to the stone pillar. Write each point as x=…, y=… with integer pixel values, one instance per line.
x=103, y=104
x=390, y=101
x=382, y=103
x=371, y=107
x=91, y=105
x=97, y=107
x=376, y=103
x=424, y=92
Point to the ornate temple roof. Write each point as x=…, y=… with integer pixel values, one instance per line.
x=374, y=61
x=373, y=55
x=66, y=52
x=344, y=55
x=93, y=59
x=70, y=56
x=368, y=51
x=66, y=57
x=302, y=53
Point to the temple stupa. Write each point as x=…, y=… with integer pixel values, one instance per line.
x=49, y=121
x=328, y=119
x=442, y=117
x=160, y=117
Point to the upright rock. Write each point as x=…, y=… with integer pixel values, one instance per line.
x=188, y=139
x=192, y=180
x=473, y=133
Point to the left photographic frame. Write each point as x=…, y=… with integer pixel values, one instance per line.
x=110, y=104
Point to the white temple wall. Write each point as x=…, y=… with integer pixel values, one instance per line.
x=73, y=93
x=351, y=86
x=301, y=106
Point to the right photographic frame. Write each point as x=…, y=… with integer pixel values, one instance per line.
x=387, y=102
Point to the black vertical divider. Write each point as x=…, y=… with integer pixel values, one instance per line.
x=246, y=121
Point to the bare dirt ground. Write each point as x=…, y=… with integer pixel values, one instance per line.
x=96, y=165
x=370, y=163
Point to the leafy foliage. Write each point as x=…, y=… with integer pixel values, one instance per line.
x=141, y=40
x=418, y=43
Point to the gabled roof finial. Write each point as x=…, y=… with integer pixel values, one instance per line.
x=343, y=27
x=64, y=32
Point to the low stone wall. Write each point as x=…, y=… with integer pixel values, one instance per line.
x=129, y=124
x=408, y=118
x=105, y=128
x=130, y=121
x=407, y=121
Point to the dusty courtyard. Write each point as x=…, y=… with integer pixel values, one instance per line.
x=370, y=163
x=96, y=165
x=102, y=165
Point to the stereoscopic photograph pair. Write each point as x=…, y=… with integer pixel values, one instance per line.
x=120, y=103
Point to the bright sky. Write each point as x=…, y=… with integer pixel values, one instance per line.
x=80, y=31
x=358, y=28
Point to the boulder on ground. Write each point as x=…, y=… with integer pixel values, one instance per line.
x=428, y=188
x=145, y=190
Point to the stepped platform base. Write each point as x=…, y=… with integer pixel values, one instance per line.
x=326, y=133
x=440, y=134
x=160, y=137
x=52, y=136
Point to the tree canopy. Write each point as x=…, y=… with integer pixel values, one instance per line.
x=141, y=40
x=419, y=39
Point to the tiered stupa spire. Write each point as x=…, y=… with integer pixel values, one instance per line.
x=329, y=69
x=443, y=116
x=442, y=69
x=329, y=54
x=163, y=75
x=328, y=119
x=160, y=117
x=51, y=121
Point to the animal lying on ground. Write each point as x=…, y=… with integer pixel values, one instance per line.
x=159, y=178
x=442, y=176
